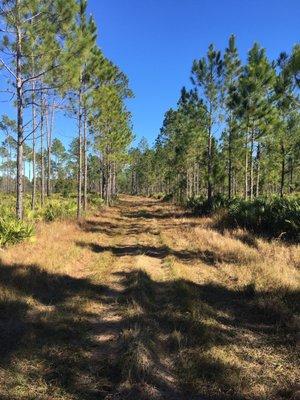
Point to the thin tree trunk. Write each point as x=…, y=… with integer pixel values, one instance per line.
x=251, y=165
x=257, y=171
x=42, y=159
x=246, y=167
x=33, y=198
x=114, y=189
x=230, y=163
x=107, y=183
x=10, y=169
x=291, y=175
x=101, y=178
x=79, y=182
x=49, y=125
x=104, y=174
x=33, y=112
x=187, y=184
x=7, y=172
x=85, y=159
x=209, y=167
x=20, y=128
x=282, y=170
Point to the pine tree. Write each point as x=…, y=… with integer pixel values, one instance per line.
x=250, y=101
x=207, y=77
x=232, y=70
x=51, y=21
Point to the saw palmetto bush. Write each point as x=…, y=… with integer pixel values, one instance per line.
x=13, y=231
x=59, y=209
x=276, y=216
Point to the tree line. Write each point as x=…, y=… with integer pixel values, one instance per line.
x=235, y=132
x=50, y=63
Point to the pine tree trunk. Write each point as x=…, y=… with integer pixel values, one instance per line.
x=107, y=183
x=209, y=167
x=49, y=126
x=79, y=179
x=101, y=178
x=7, y=173
x=251, y=166
x=10, y=169
x=24, y=177
x=114, y=188
x=33, y=114
x=246, y=167
x=187, y=184
x=33, y=198
x=48, y=152
x=42, y=160
x=257, y=171
x=20, y=128
x=291, y=175
x=104, y=174
x=85, y=159
x=198, y=179
x=230, y=163
x=282, y=170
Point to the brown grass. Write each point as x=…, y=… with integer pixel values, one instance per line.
x=145, y=302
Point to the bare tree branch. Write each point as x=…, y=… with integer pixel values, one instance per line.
x=7, y=68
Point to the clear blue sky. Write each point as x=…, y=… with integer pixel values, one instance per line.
x=155, y=41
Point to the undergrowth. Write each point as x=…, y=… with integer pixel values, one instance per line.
x=56, y=207
x=274, y=216
x=13, y=231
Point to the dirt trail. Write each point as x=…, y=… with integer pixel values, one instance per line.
x=133, y=236
x=143, y=301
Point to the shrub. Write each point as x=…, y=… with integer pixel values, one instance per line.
x=13, y=231
x=59, y=209
x=95, y=200
x=158, y=196
x=275, y=216
x=201, y=206
x=168, y=197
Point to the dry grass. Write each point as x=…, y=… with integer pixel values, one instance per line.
x=146, y=302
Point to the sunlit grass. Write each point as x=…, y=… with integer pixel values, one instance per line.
x=148, y=306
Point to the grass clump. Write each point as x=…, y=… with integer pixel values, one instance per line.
x=58, y=209
x=95, y=200
x=13, y=231
x=273, y=216
x=201, y=206
x=137, y=362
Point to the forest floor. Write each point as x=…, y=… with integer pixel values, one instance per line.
x=144, y=301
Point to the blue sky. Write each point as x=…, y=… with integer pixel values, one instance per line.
x=155, y=41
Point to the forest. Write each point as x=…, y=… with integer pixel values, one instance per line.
x=233, y=142
x=51, y=64
x=139, y=270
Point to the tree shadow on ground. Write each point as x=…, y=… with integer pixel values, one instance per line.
x=171, y=318
x=250, y=235
x=108, y=228
x=46, y=324
x=209, y=257
x=112, y=229
x=157, y=214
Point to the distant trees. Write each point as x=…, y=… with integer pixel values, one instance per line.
x=110, y=123
x=236, y=133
